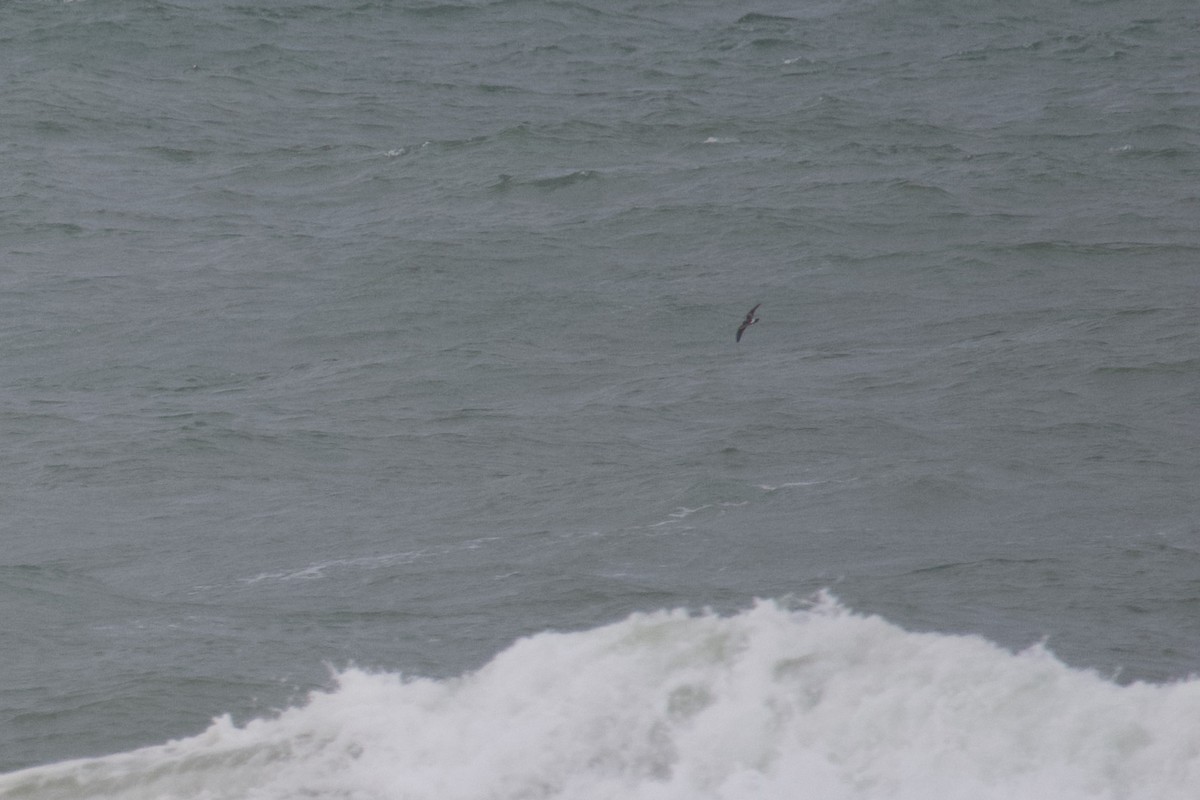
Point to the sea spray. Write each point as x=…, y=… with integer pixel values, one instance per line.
x=773, y=702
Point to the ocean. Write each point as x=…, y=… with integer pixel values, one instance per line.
x=373, y=424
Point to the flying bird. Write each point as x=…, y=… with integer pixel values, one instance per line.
x=746, y=323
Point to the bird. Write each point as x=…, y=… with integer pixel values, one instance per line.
x=747, y=322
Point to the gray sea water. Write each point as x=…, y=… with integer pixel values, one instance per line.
x=379, y=335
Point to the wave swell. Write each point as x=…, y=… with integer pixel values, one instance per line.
x=774, y=702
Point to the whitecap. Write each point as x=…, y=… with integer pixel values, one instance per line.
x=773, y=702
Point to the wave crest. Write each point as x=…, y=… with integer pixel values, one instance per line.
x=773, y=702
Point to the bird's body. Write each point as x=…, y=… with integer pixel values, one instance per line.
x=746, y=323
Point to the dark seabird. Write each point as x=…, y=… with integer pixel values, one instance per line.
x=747, y=322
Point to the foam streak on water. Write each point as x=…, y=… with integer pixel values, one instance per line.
x=769, y=703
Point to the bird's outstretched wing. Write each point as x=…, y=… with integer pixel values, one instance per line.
x=746, y=323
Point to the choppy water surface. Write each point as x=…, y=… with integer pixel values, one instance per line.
x=345, y=346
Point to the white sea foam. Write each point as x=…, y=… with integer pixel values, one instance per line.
x=766, y=487
x=770, y=703
x=321, y=569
